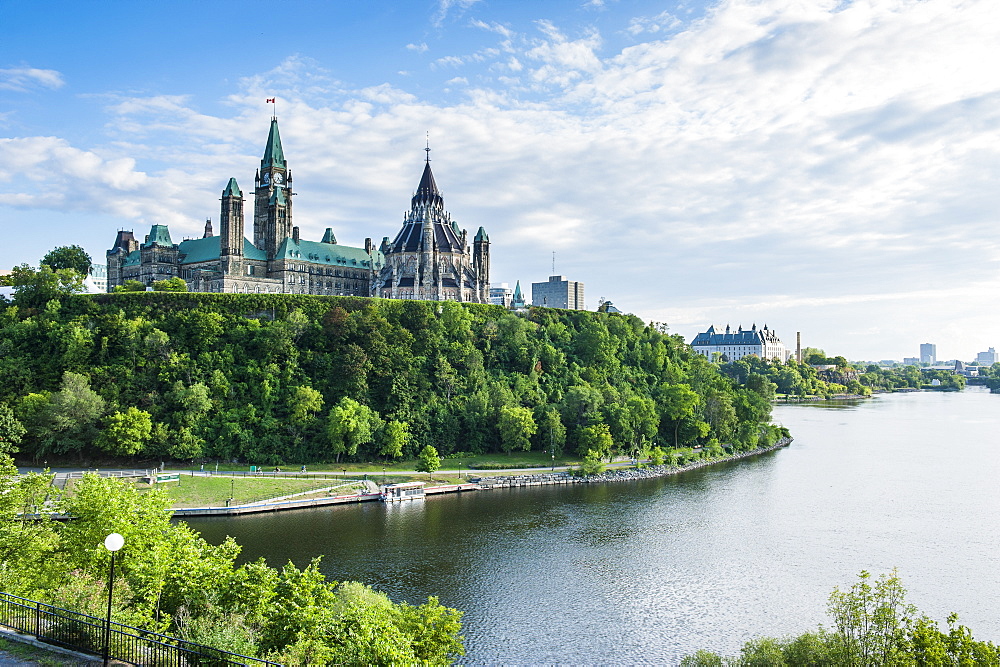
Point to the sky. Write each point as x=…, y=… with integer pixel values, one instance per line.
x=828, y=167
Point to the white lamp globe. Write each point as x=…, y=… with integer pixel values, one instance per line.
x=114, y=542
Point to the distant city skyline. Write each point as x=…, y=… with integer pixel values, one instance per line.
x=828, y=168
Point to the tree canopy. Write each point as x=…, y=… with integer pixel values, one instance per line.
x=168, y=579
x=68, y=257
x=276, y=378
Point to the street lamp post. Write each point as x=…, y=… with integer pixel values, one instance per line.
x=383, y=475
x=112, y=543
x=552, y=446
x=232, y=489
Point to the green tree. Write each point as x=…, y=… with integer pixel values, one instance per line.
x=130, y=286
x=33, y=288
x=516, y=425
x=68, y=421
x=870, y=618
x=349, y=425
x=68, y=257
x=395, y=437
x=551, y=434
x=303, y=404
x=428, y=461
x=656, y=456
x=592, y=464
x=11, y=430
x=25, y=546
x=595, y=439
x=126, y=433
x=678, y=402
x=175, y=284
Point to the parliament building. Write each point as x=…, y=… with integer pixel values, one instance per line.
x=429, y=259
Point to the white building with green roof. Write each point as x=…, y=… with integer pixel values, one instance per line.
x=277, y=260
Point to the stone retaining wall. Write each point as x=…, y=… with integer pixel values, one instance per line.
x=619, y=475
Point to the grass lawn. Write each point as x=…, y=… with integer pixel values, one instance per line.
x=515, y=459
x=200, y=491
x=213, y=491
x=16, y=653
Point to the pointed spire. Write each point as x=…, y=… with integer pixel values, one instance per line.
x=273, y=155
x=328, y=236
x=427, y=192
x=481, y=235
x=232, y=190
x=517, y=300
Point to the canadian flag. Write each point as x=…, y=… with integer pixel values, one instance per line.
x=270, y=99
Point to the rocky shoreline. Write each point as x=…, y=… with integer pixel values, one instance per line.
x=619, y=475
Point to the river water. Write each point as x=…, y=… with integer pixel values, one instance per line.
x=647, y=572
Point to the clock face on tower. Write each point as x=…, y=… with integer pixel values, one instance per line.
x=278, y=178
x=267, y=178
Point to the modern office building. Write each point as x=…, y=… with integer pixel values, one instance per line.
x=987, y=358
x=558, y=292
x=928, y=353
x=501, y=294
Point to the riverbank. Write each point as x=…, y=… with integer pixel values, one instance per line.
x=618, y=475
x=475, y=484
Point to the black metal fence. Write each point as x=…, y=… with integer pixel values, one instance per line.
x=80, y=632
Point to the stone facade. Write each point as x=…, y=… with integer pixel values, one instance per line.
x=733, y=345
x=430, y=258
x=277, y=261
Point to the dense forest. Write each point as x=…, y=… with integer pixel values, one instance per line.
x=289, y=379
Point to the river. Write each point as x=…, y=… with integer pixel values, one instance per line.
x=647, y=572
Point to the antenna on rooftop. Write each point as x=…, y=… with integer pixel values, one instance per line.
x=553, y=262
x=428, y=148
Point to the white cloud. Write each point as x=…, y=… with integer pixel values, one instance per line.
x=652, y=24
x=824, y=167
x=25, y=78
x=419, y=48
x=493, y=26
x=445, y=6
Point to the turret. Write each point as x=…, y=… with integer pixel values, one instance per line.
x=231, y=229
x=481, y=264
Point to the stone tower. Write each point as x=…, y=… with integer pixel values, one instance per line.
x=231, y=230
x=429, y=259
x=272, y=215
x=481, y=264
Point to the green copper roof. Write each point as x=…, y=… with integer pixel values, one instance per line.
x=232, y=190
x=327, y=254
x=273, y=155
x=277, y=197
x=205, y=250
x=517, y=291
x=328, y=236
x=132, y=259
x=160, y=235
x=481, y=235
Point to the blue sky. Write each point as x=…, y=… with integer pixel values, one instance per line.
x=823, y=166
